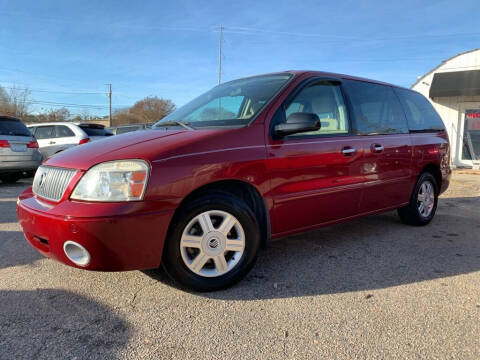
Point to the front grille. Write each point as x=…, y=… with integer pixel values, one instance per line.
x=51, y=182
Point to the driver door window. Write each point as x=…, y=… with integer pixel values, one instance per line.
x=324, y=99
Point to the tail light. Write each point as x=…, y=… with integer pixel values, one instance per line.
x=83, y=141
x=32, y=145
x=4, y=144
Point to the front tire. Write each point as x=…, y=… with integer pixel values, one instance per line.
x=212, y=243
x=423, y=202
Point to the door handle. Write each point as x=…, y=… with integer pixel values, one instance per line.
x=348, y=151
x=377, y=148
x=52, y=142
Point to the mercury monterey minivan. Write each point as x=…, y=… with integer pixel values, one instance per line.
x=250, y=160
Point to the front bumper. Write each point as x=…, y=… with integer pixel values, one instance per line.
x=128, y=241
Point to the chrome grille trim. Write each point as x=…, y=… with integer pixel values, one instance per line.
x=51, y=182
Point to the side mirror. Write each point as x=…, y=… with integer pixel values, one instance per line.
x=298, y=122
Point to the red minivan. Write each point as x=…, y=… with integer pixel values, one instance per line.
x=250, y=160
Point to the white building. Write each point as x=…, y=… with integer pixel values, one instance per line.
x=453, y=87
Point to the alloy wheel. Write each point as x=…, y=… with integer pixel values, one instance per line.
x=212, y=243
x=426, y=199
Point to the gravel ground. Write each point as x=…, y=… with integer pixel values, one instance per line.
x=371, y=288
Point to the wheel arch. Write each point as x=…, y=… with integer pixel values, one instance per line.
x=242, y=189
x=434, y=169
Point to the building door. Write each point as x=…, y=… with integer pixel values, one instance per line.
x=471, y=137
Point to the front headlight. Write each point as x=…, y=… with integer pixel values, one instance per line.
x=122, y=180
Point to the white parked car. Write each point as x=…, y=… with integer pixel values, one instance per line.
x=58, y=136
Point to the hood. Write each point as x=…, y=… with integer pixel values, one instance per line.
x=86, y=155
x=148, y=145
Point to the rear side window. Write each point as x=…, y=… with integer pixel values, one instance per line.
x=96, y=131
x=45, y=132
x=13, y=127
x=376, y=109
x=421, y=115
x=63, y=131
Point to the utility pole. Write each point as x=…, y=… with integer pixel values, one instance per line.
x=220, y=40
x=109, y=105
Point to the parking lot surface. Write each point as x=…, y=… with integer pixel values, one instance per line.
x=371, y=288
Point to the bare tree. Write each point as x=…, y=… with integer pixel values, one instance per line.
x=14, y=102
x=4, y=99
x=151, y=109
x=62, y=114
x=85, y=116
x=148, y=110
x=52, y=115
x=123, y=117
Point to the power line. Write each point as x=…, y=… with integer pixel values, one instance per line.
x=73, y=92
x=54, y=91
x=115, y=24
x=251, y=31
x=79, y=106
x=66, y=92
x=247, y=30
x=90, y=106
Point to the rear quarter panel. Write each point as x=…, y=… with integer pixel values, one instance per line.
x=431, y=149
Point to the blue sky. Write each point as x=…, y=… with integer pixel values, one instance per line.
x=170, y=48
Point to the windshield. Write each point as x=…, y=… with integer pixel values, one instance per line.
x=13, y=127
x=230, y=104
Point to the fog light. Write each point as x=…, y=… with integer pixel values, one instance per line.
x=76, y=253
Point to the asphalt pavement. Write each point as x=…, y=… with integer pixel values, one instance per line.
x=372, y=288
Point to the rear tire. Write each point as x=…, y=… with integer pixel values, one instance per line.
x=423, y=202
x=10, y=178
x=212, y=243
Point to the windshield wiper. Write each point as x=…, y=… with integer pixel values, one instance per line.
x=186, y=125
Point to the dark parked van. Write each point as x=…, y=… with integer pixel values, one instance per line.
x=250, y=160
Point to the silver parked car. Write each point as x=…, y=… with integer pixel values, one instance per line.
x=19, y=154
x=58, y=136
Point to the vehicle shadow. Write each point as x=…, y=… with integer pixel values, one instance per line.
x=370, y=253
x=8, y=199
x=15, y=250
x=8, y=210
x=22, y=183
x=58, y=324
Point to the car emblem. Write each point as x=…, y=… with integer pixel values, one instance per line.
x=42, y=179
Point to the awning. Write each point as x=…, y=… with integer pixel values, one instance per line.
x=458, y=83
